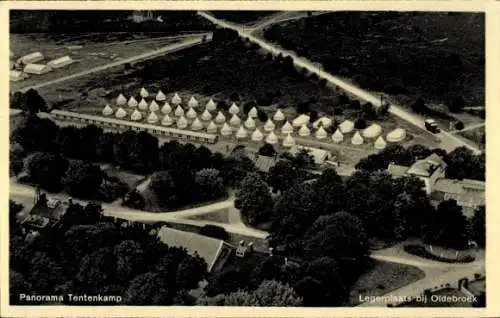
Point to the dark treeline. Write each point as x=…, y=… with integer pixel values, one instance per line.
x=242, y=16
x=83, y=21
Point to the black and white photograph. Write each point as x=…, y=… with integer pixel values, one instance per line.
x=247, y=158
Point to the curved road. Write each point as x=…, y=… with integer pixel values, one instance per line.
x=448, y=141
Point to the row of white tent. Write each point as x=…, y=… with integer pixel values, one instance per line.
x=37, y=57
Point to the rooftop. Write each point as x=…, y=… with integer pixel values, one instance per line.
x=426, y=167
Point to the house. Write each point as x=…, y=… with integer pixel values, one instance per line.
x=46, y=214
x=319, y=155
x=214, y=251
x=469, y=194
x=37, y=69
x=34, y=57
x=60, y=62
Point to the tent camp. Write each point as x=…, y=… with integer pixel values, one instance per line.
x=380, y=143
x=120, y=113
x=319, y=155
x=167, y=121
x=152, y=118
x=257, y=135
x=136, y=115
x=272, y=138
x=154, y=107
x=357, y=139
x=121, y=100
x=132, y=102
x=211, y=128
x=193, y=102
x=288, y=141
x=211, y=106
x=242, y=133
x=143, y=105
x=269, y=125
x=397, y=135
x=301, y=120
x=287, y=128
x=176, y=99
x=107, y=110
x=279, y=116
x=321, y=133
x=234, y=109
x=253, y=112
x=337, y=136
x=250, y=123
x=206, y=115
x=60, y=62
x=346, y=126
x=166, y=108
x=235, y=120
x=16, y=76
x=144, y=93
x=34, y=57
x=372, y=131
x=196, y=125
x=182, y=123
x=160, y=96
x=304, y=131
x=179, y=111
x=226, y=130
x=37, y=69
x=324, y=122
x=220, y=118
x=191, y=113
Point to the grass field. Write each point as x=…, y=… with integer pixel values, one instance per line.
x=383, y=278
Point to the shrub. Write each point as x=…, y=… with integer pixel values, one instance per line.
x=214, y=231
x=360, y=123
x=421, y=251
x=459, y=125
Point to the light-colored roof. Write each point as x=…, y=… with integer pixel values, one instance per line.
x=120, y=113
x=226, y=130
x=324, y=122
x=380, y=143
x=33, y=68
x=459, y=191
x=176, y=99
x=132, y=102
x=121, y=100
x=196, y=125
x=160, y=96
x=220, y=118
x=152, y=118
x=321, y=133
x=153, y=107
x=234, y=109
x=182, y=122
x=397, y=170
x=337, y=136
x=427, y=166
x=31, y=58
x=136, y=115
x=206, y=247
x=167, y=121
x=241, y=133
x=257, y=135
x=144, y=93
x=211, y=106
x=179, y=111
x=287, y=128
x=193, y=102
x=107, y=110
x=235, y=120
x=357, y=139
x=166, y=108
x=272, y=138
x=143, y=105
x=304, y=131
x=279, y=116
x=60, y=62
x=372, y=131
x=346, y=126
x=301, y=120
x=191, y=113
x=269, y=125
x=212, y=127
x=250, y=123
x=319, y=155
x=16, y=75
x=253, y=112
x=398, y=134
x=206, y=115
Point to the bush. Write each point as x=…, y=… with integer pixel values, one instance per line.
x=421, y=251
x=459, y=125
x=214, y=231
x=267, y=150
x=262, y=115
x=360, y=123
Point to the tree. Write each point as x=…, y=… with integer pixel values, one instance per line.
x=214, y=231
x=97, y=269
x=360, y=123
x=478, y=225
x=313, y=115
x=33, y=102
x=234, y=97
x=36, y=134
x=419, y=106
x=418, y=152
x=303, y=159
x=44, y=273
x=17, y=286
x=456, y=104
x=267, y=150
x=459, y=125
x=463, y=164
x=46, y=170
x=254, y=200
x=16, y=158
x=190, y=272
x=148, y=289
x=283, y=175
x=210, y=183
x=134, y=200
x=129, y=260
x=369, y=111
x=83, y=180
x=14, y=209
x=163, y=186
x=262, y=115
x=448, y=226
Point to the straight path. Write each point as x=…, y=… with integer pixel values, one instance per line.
x=448, y=141
x=471, y=127
x=134, y=59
